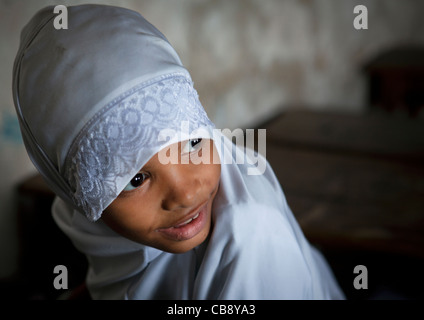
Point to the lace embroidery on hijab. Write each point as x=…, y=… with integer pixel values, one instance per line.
x=111, y=145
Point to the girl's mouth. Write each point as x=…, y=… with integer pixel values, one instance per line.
x=188, y=228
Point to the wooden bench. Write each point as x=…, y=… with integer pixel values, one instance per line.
x=356, y=185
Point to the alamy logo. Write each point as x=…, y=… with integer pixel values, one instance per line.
x=242, y=151
x=361, y=280
x=61, y=20
x=361, y=20
x=61, y=280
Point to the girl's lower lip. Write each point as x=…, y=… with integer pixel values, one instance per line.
x=188, y=230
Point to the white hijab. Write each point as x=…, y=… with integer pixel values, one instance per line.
x=91, y=101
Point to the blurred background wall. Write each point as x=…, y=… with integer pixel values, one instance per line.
x=249, y=60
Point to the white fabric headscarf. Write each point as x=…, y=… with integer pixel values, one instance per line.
x=91, y=101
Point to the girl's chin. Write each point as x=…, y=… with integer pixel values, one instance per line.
x=185, y=245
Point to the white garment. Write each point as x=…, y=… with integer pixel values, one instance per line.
x=256, y=250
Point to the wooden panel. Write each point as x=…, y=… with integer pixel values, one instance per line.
x=353, y=182
x=354, y=203
x=356, y=135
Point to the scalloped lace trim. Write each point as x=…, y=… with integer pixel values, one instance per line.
x=114, y=147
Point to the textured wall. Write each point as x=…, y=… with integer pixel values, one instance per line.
x=248, y=59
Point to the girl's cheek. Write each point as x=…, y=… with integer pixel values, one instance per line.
x=214, y=175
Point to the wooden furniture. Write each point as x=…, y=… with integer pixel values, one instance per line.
x=42, y=245
x=396, y=80
x=356, y=185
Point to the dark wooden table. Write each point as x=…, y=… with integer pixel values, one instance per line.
x=356, y=185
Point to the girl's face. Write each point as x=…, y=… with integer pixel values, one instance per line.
x=168, y=206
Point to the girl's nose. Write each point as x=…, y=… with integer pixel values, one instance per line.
x=181, y=186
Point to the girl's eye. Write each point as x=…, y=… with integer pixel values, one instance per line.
x=192, y=145
x=136, y=182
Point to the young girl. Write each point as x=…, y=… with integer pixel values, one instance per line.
x=101, y=105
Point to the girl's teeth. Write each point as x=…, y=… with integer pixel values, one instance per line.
x=188, y=221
